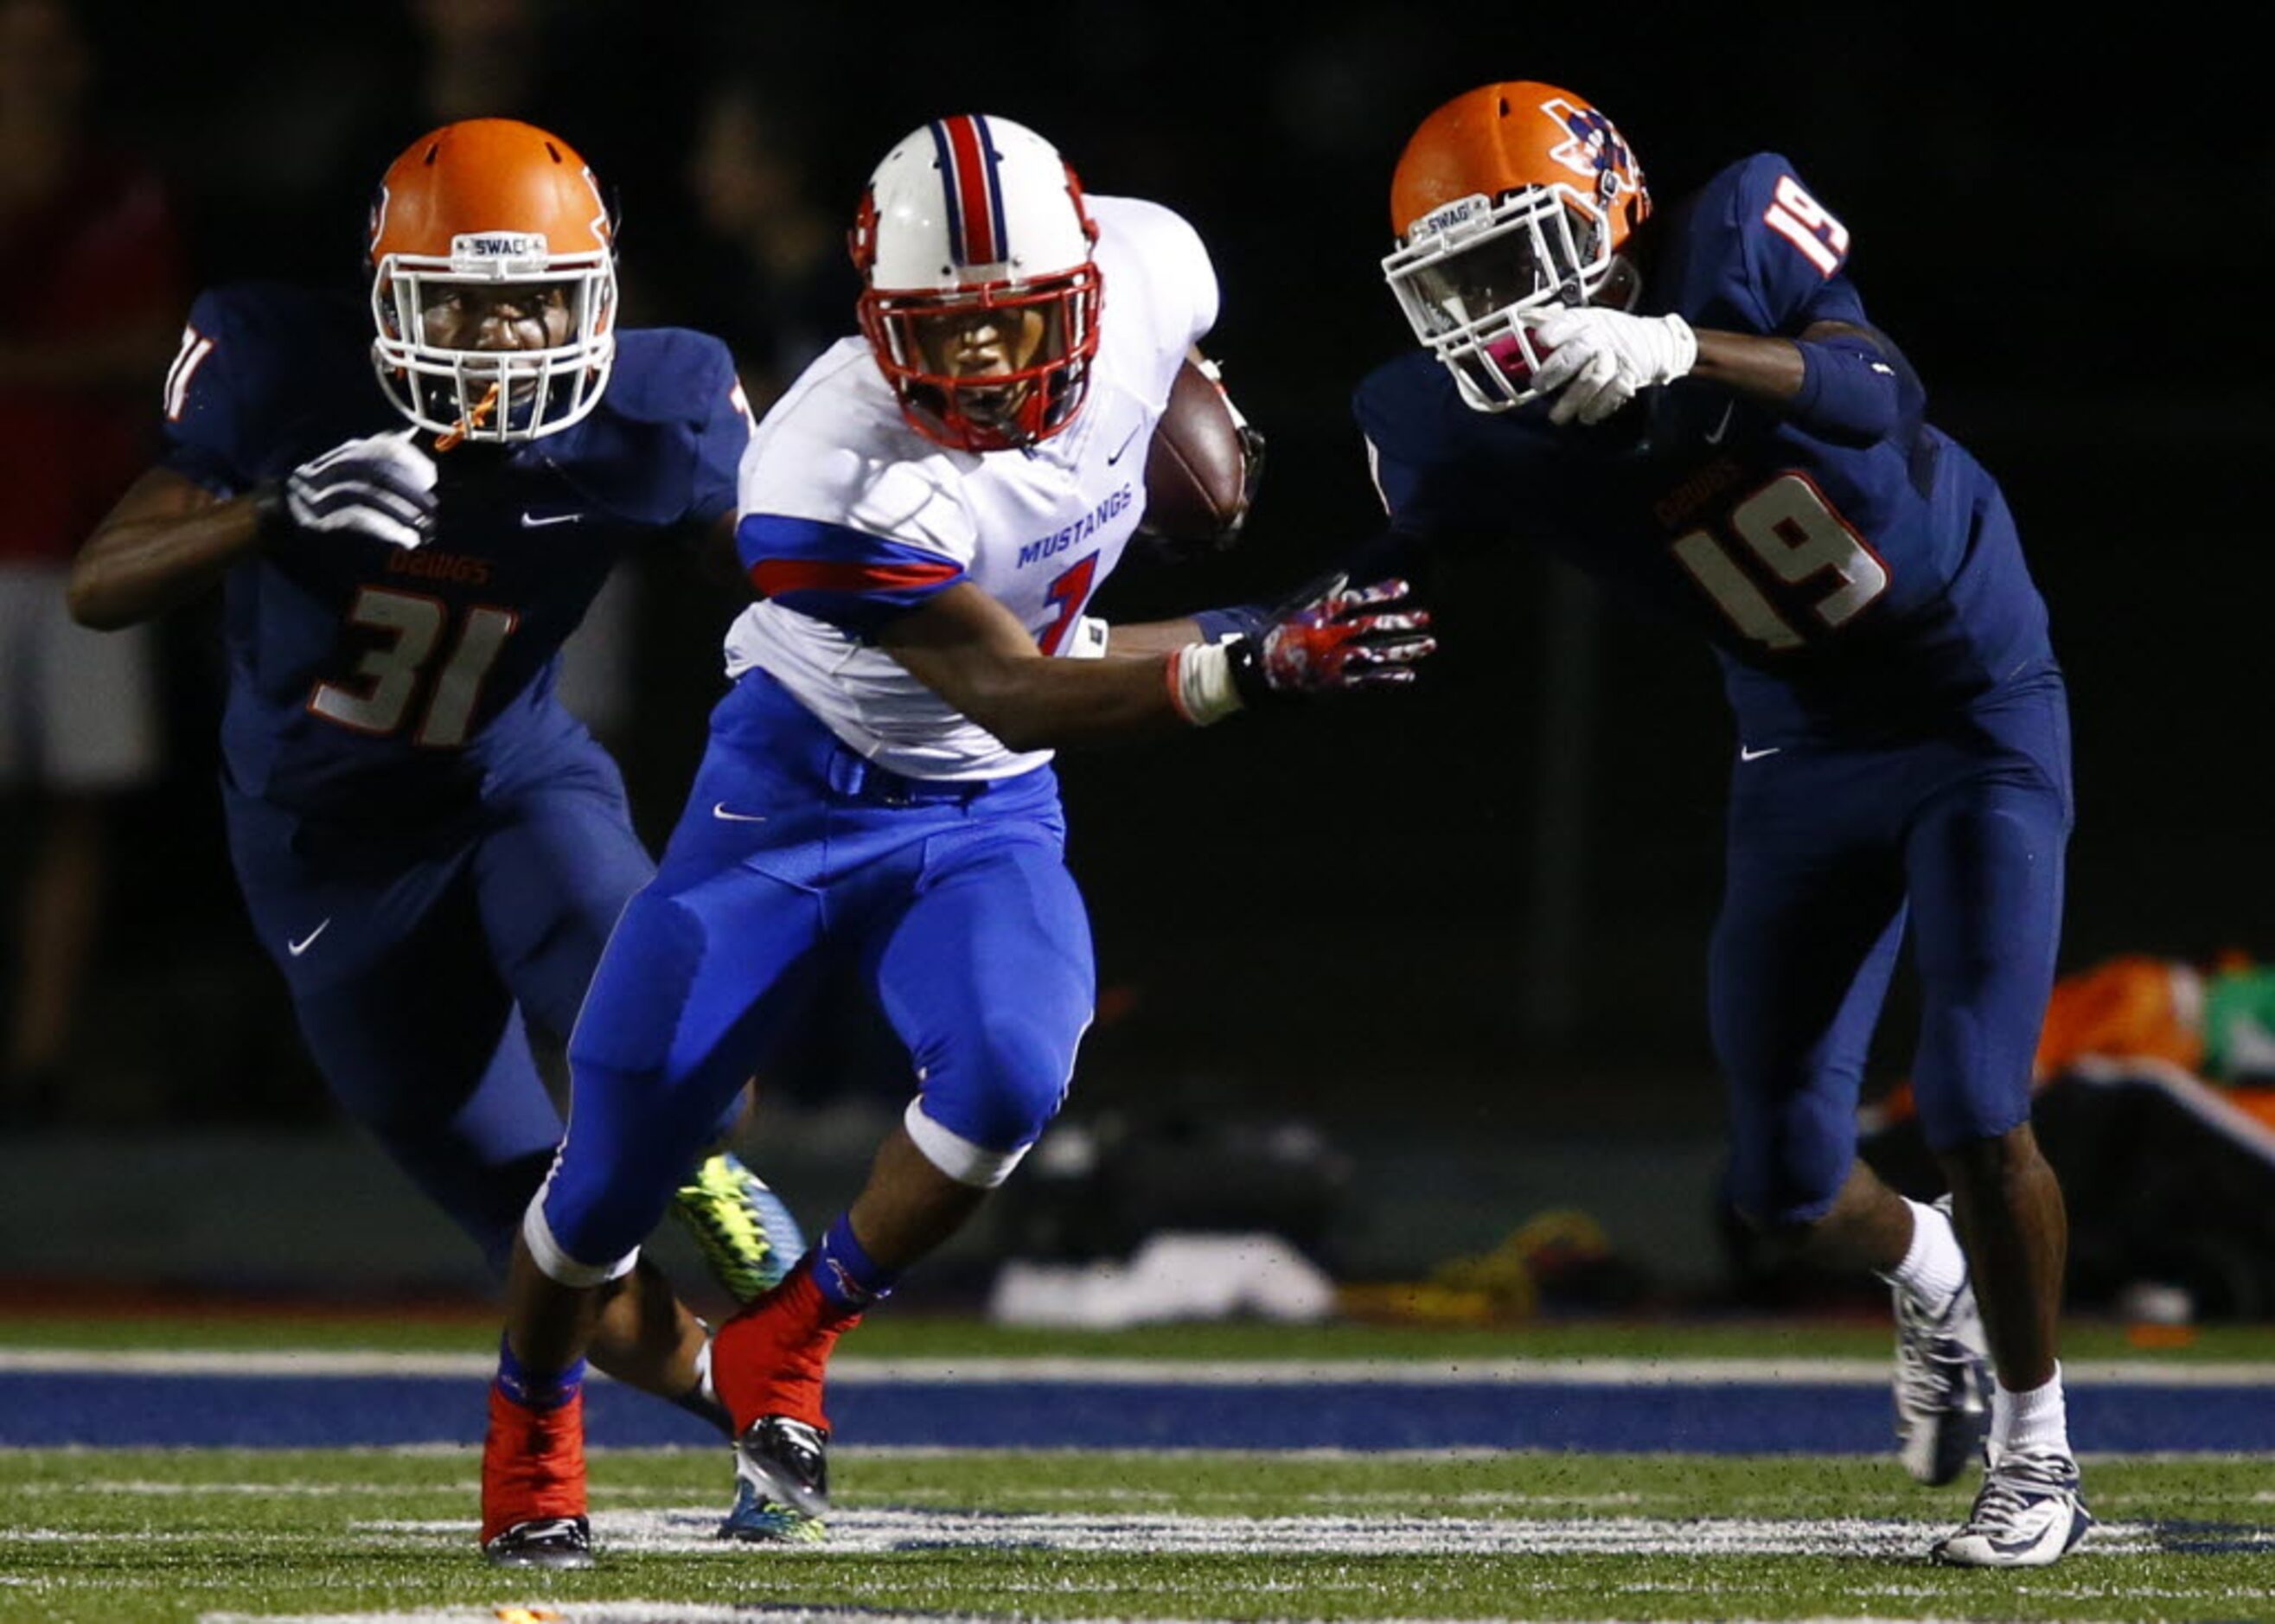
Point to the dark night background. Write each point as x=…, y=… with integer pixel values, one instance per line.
x=1350, y=915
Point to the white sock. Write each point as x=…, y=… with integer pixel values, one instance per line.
x=2036, y=1421
x=1934, y=1266
x=703, y=1373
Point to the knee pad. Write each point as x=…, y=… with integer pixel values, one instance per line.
x=976, y=1121
x=996, y=1098
x=555, y=1261
x=1787, y=1177
x=955, y=1155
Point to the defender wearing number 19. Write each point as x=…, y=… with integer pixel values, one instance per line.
x=1693, y=406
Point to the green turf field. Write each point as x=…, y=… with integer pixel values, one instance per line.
x=129, y=1536
x=137, y=1535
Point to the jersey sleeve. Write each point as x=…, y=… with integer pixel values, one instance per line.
x=848, y=538
x=722, y=436
x=1782, y=257
x=1414, y=446
x=212, y=402
x=855, y=580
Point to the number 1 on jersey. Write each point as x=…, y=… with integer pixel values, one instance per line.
x=1070, y=591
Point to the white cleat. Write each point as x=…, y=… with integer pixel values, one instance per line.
x=1942, y=1383
x=2029, y=1512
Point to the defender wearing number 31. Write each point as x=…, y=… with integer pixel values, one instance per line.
x=408, y=498
x=1693, y=406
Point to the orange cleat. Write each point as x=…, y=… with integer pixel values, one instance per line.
x=533, y=1484
x=769, y=1359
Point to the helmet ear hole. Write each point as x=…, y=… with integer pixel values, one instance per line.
x=861, y=241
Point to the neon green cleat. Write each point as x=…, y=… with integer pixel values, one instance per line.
x=748, y=1237
x=757, y=1518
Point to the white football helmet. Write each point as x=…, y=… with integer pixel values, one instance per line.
x=480, y=203
x=976, y=222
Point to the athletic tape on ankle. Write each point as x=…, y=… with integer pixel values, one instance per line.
x=556, y=1263
x=957, y=1156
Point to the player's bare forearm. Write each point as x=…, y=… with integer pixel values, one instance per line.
x=1838, y=380
x=1766, y=369
x=164, y=542
x=971, y=651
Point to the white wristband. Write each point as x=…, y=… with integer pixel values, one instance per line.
x=1200, y=682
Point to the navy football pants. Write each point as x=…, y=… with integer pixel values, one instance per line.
x=795, y=860
x=419, y=957
x=1833, y=851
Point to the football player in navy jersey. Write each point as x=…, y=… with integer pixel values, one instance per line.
x=406, y=526
x=1692, y=406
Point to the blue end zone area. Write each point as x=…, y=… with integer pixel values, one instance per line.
x=118, y=1410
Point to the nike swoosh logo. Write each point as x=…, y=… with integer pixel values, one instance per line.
x=1755, y=755
x=1722, y=427
x=721, y=812
x=1124, y=446
x=538, y=521
x=295, y=949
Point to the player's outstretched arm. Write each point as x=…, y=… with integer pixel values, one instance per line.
x=972, y=652
x=964, y=646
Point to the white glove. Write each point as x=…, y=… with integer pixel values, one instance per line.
x=1601, y=358
x=382, y=487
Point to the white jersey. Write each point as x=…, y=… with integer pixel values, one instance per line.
x=1038, y=529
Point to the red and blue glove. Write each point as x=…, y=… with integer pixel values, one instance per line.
x=1334, y=638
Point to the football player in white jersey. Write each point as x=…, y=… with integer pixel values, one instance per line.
x=926, y=513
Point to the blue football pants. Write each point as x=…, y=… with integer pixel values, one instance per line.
x=795, y=861
x=1834, y=854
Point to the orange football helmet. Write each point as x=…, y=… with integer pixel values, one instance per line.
x=1510, y=199
x=480, y=203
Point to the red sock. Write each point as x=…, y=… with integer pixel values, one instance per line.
x=532, y=1464
x=770, y=1358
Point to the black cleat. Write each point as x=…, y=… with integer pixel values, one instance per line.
x=543, y=1542
x=786, y=1461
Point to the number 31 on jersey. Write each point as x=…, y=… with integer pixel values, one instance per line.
x=412, y=627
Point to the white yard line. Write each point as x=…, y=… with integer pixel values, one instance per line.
x=884, y=1531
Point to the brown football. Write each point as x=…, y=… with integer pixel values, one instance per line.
x=1197, y=469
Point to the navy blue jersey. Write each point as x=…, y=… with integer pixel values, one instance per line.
x=365, y=679
x=1848, y=590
